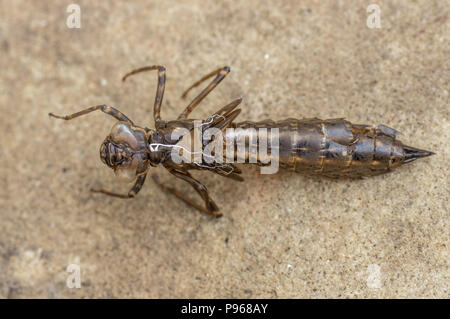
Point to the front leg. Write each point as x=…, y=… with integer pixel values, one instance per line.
x=131, y=194
x=210, y=206
x=104, y=108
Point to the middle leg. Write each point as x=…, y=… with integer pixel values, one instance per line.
x=210, y=206
x=159, y=91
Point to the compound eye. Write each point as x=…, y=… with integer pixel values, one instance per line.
x=134, y=142
x=122, y=133
x=103, y=153
x=127, y=173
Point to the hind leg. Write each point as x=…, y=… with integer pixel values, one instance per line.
x=220, y=75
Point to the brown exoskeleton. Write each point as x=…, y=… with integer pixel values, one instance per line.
x=334, y=148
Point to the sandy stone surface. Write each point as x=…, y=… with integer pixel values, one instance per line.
x=281, y=236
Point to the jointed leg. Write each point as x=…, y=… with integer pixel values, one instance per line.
x=132, y=193
x=160, y=89
x=220, y=75
x=224, y=111
x=179, y=195
x=210, y=207
x=105, y=109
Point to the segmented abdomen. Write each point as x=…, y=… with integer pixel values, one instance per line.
x=334, y=147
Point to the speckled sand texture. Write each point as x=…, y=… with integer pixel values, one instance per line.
x=282, y=236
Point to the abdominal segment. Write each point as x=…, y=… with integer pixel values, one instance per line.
x=333, y=148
